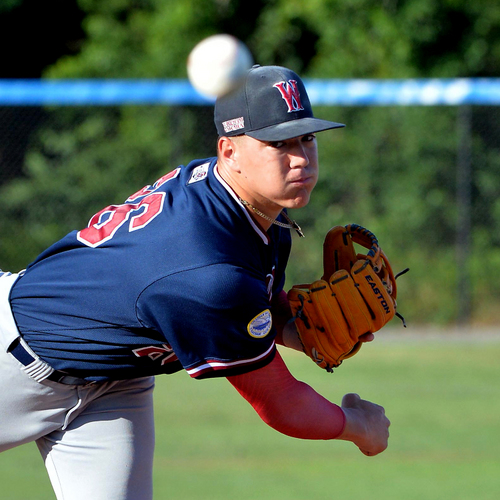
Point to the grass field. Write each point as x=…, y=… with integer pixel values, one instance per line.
x=441, y=393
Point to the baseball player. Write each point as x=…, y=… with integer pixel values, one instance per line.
x=187, y=273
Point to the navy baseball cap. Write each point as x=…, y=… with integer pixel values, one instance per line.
x=271, y=104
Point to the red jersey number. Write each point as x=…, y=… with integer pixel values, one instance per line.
x=104, y=224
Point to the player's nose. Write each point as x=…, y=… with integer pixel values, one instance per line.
x=299, y=155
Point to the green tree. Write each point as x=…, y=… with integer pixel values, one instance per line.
x=391, y=169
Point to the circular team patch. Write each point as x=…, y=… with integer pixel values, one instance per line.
x=261, y=325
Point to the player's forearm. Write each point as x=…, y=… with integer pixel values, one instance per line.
x=291, y=337
x=287, y=334
x=287, y=405
x=309, y=415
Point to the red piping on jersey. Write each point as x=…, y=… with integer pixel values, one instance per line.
x=212, y=365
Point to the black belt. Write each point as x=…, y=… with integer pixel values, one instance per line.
x=25, y=358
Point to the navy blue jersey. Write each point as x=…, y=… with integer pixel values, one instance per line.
x=178, y=276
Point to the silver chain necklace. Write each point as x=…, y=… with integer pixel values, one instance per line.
x=292, y=224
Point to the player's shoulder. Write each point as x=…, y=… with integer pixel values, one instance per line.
x=184, y=175
x=198, y=171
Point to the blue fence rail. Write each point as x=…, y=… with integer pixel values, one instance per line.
x=416, y=92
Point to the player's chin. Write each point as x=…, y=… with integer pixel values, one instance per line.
x=300, y=198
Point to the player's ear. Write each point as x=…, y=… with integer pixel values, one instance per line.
x=226, y=149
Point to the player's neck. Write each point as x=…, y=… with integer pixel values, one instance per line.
x=263, y=215
x=290, y=224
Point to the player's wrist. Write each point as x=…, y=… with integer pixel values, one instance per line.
x=291, y=338
x=344, y=422
x=353, y=428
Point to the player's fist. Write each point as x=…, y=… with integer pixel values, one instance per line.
x=366, y=425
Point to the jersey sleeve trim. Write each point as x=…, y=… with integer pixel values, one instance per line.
x=217, y=368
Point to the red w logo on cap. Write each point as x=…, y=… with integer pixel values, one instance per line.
x=290, y=94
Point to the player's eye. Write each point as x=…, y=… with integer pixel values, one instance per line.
x=308, y=137
x=277, y=144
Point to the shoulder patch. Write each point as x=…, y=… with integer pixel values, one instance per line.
x=261, y=325
x=199, y=173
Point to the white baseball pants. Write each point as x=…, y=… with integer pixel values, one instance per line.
x=97, y=440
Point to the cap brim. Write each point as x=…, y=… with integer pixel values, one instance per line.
x=293, y=128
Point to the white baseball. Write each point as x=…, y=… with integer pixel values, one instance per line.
x=217, y=64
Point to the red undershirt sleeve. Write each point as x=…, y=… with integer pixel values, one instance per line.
x=288, y=405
